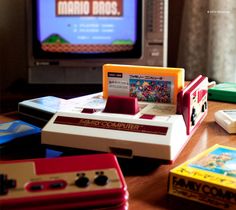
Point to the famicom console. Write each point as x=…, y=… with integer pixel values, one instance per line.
x=78, y=182
x=143, y=111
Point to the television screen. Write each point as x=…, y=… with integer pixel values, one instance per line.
x=87, y=28
x=70, y=40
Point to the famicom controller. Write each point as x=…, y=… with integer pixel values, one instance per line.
x=192, y=103
x=81, y=182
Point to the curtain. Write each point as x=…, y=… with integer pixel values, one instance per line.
x=208, y=39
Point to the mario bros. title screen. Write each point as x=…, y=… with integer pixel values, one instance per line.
x=86, y=25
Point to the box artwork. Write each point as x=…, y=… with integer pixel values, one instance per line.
x=209, y=178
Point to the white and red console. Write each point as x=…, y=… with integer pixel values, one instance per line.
x=78, y=182
x=131, y=126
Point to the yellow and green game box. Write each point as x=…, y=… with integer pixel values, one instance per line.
x=208, y=178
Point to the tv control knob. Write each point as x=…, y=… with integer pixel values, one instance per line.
x=6, y=184
x=82, y=182
x=101, y=180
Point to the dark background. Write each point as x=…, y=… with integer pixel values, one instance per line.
x=13, y=57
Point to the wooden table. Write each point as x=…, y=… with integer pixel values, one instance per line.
x=147, y=180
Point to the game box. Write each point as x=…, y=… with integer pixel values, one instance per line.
x=42, y=108
x=225, y=91
x=17, y=136
x=208, y=178
x=226, y=119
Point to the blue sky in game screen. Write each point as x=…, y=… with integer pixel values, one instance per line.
x=220, y=160
x=89, y=28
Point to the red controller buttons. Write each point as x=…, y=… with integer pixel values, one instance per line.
x=6, y=184
x=82, y=181
x=35, y=187
x=101, y=179
x=46, y=185
x=56, y=185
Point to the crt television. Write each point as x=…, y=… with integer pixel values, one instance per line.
x=70, y=40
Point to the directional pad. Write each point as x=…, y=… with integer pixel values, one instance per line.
x=193, y=116
x=6, y=184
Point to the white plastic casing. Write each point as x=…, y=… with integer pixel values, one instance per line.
x=227, y=120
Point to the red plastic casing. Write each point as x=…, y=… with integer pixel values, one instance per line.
x=113, y=198
x=193, y=97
